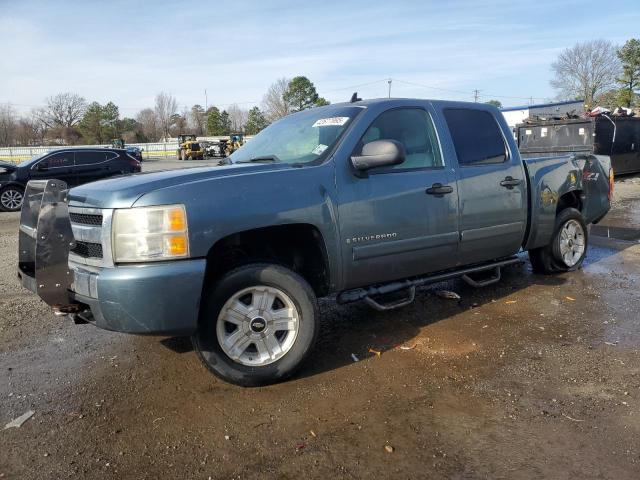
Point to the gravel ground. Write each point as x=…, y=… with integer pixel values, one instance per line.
x=535, y=377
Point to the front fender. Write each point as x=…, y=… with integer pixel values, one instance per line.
x=222, y=206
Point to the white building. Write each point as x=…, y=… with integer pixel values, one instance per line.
x=515, y=115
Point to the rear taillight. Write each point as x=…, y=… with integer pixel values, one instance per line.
x=611, y=184
x=134, y=163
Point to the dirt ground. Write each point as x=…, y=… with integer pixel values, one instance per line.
x=535, y=377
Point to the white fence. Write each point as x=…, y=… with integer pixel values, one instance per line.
x=149, y=150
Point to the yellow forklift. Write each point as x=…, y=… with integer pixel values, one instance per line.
x=236, y=140
x=189, y=148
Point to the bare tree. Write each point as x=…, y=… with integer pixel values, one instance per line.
x=63, y=110
x=273, y=103
x=147, y=120
x=29, y=132
x=166, y=108
x=197, y=119
x=8, y=125
x=586, y=70
x=179, y=123
x=238, y=117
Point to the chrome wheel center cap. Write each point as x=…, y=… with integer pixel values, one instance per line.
x=258, y=325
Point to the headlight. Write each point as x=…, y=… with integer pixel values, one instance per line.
x=150, y=234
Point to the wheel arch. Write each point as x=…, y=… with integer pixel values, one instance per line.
x=297, y=246
x=570, y=199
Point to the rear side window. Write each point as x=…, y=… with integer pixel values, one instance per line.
x=412, y=127
x=58, y=160
x=476, y=136
x=111, y=155
x=89, y=158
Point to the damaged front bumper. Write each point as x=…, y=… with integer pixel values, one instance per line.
x=65, y=258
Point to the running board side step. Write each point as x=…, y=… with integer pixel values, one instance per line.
x=497, y=274
x=403, y=302
x=410, y=285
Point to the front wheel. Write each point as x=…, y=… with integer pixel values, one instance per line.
x=568, y=246
x=257, y=325
x=11, y=198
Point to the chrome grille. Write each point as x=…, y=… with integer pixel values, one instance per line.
x=91, y=230
x=85, y=218
x=88, y=250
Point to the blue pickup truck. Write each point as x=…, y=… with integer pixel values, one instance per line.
x=360, y=200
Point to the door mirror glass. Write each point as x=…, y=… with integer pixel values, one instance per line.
x=379, y=153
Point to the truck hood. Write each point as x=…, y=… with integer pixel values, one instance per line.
x=123, y=191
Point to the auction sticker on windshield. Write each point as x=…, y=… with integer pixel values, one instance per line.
x=319, y=149
x=328, y=122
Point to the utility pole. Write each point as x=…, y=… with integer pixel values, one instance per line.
x=389, y=82
x=476, y=95
x=206, y=107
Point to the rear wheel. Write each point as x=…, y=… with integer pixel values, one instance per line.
x=11, y=198
x=258, y=324
x=568, y=247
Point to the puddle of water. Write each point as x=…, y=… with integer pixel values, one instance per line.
x=619, y=233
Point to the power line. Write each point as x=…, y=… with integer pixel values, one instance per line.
x=461, y=92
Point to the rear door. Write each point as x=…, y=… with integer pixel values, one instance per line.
x=92, y=165
x=391, y=227
x=491, y=186
x=58, y=166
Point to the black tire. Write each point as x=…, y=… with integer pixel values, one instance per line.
x=548, y=260
x=8, y=196
x=205, y=340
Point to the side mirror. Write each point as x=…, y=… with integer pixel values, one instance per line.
x=42, y=167
x=380, y=153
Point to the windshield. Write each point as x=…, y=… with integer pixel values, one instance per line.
x=303, y=137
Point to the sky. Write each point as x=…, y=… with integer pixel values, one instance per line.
x=128, y=51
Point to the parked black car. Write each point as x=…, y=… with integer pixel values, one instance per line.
x=135, y=152
x=73, y=166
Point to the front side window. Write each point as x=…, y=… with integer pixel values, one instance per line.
x=58, y=160
x=476, y=136
x=301, y=138
x=413, y=128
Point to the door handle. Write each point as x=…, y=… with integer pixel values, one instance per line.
x=438, y=189
x=510, y=182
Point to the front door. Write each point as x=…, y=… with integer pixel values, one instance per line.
x=491, y=187
x=57, y=166
x=399, y=221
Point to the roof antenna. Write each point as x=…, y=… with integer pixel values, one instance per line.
x=354, y=97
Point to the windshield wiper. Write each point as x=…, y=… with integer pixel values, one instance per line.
x=261, y=158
